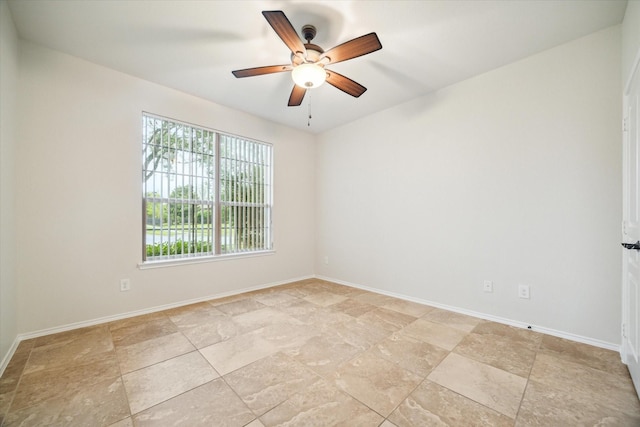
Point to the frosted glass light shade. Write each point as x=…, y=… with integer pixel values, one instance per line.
x=308, y=76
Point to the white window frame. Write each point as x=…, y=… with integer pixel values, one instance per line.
x=224, y=182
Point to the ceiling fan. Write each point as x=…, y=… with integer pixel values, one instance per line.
x=308, y=60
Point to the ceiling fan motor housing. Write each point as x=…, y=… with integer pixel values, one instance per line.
x=313, y=55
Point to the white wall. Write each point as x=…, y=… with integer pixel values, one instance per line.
x=512, y=176
x=79, y=192
x=8, y=83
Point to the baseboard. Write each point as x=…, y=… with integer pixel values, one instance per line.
x=485, y=316
x=106, y=319
x=9, y=355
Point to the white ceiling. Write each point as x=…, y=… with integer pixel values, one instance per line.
x=193, y=46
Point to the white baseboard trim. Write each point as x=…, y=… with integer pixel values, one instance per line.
x=77, y=325
x=107, y=319
x=497, y=319
x=7, y=357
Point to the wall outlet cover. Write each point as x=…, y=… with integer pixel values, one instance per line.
x=487, y=286
x=125, y=285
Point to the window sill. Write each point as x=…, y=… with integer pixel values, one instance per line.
x=199, y=260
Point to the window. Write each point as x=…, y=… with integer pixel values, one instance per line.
x=205, y=193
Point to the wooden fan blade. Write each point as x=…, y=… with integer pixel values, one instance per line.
x=258, y=71
x=345, y=84
x=353, y=48
x=297, y=95
x=283, y=28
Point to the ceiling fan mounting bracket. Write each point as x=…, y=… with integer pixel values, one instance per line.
x=308, y=32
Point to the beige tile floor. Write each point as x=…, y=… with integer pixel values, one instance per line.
x=313, y=353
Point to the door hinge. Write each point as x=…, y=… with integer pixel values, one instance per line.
x=624, y=331
x=625, y=124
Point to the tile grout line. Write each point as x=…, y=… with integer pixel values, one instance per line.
x=220, y=376
x=20, y=378
x=15, y=390
x=131, y=414
x=126, y=395
x=462, y=395
x=526, y=386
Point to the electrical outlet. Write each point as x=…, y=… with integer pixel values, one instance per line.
x=326, y=259
x=523, y=291
x=487, y=286
x=125, y=285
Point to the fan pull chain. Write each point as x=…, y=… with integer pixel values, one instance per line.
x=309, y=99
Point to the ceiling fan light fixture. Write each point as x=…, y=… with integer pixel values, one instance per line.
x=309, y=76
x=308, y=60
